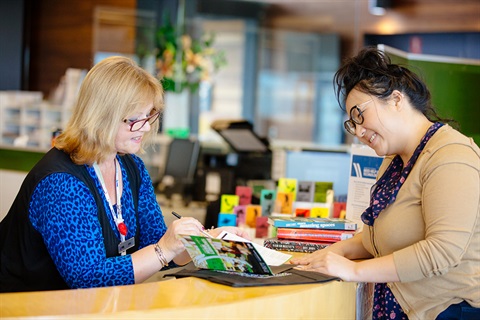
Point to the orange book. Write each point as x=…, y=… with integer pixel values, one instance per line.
x=253, y=211
x=284, y=202
x=300, y=212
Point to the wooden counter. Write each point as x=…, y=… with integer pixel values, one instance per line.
x=186, y=298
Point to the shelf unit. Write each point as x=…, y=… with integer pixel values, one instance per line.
x=28, y=121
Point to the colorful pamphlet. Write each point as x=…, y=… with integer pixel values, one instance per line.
x=302, y=212
x=228, y=202
x=320, y=212
x=267, y=201
x=244, y=194
x=225, y=255
x=227, y=219
x=323, y=192
x=253, y=211
x=284, y=202
x=287, y=185
x=305, y=191
x=241, y=212
x=261, y=227
x=339, y=209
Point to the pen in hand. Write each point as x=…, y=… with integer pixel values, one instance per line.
x=203, y=231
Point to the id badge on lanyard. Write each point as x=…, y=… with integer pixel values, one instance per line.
x=124, y=244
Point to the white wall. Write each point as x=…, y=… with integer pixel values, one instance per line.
x=10, y=182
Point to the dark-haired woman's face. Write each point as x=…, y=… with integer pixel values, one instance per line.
x=378, y=119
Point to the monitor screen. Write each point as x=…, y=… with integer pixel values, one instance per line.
x=240, y=136
x=320, y=166
x=243, y=140
x=182, y=159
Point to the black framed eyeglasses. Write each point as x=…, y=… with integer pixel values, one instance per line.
x=356, y=117
x=136, y=125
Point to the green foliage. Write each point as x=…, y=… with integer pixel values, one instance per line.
x=182, y=62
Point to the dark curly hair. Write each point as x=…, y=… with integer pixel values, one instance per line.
x=371, y=71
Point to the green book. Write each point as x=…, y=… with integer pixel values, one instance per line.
x=323, y=191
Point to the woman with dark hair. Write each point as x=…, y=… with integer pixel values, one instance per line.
x=420, y=242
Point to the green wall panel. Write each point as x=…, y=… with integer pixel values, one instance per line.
x=453, y=83
x=19, y=160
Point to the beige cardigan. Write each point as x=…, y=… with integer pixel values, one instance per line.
x=433, y=228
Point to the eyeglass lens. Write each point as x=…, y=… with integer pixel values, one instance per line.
x=356, y=117
x=137, y=125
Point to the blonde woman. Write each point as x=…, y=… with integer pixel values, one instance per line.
x=86, y=214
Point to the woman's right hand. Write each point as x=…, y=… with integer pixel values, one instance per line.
x=170, y=244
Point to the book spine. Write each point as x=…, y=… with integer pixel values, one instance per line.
x=294, y=246
x=314, y=234
x=314, y=225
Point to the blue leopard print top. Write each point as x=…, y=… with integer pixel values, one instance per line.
x=64, y=212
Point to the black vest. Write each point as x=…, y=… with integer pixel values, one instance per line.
x=25, y=264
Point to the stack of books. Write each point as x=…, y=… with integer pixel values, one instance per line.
x=307, y=234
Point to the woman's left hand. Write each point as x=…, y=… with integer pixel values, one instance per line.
x=235, y=230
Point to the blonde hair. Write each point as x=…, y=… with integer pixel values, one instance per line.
x=113, y=89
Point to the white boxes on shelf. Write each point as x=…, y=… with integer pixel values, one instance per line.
x=26, y=120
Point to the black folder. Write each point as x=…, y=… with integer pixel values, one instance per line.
x=283, y=275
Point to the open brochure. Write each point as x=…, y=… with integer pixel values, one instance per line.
x=237, y=262
x=225, y=255
x=271, y=257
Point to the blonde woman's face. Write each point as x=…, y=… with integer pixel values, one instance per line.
x=130, y=142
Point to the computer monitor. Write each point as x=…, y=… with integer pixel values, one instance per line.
x=320, y=166
x=240, y=136
x=182, y=160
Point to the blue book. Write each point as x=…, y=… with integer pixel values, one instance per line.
x=313, y=223
x=227, y=219
x=267, y=201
